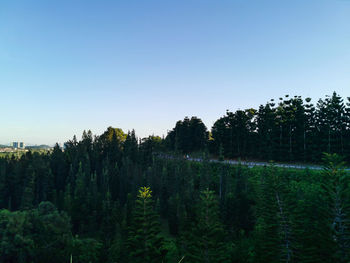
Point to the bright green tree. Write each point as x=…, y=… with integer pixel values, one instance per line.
x=145, y=243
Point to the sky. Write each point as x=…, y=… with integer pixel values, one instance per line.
x=73, y=65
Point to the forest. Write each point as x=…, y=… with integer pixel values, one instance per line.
x=116, y=198
x=289, y=129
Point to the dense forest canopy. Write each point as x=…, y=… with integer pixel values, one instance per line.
x=114, y=198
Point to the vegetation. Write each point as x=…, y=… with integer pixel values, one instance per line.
x=110, y=198
x=292, y=130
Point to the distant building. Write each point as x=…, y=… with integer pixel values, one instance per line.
x=18, y=145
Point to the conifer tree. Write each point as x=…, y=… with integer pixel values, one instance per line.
x=131, y=146
x=173, y=215
x=273, y=228
x=309, y=130
x=205, y=241
x=312, y=239
x=28, y=192
x=79, y=204
x=335, y=189
x=145, y=244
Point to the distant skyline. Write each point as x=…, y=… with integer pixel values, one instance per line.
x=68, y=66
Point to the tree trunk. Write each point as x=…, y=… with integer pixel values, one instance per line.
x=285, y=229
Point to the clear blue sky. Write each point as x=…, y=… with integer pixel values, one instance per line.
x=70, y=65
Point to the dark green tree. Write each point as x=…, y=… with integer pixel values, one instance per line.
x=28, y=191
x=335, y=188
x=206, y=240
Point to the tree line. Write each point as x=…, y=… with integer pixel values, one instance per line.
x=289, y=129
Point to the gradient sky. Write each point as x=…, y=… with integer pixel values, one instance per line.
x=70, y=65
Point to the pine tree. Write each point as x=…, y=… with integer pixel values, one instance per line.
x=309, y=131
x=80, y=205
x=205, y=241
x=131, y=146
x=335, y=188
x=265, y=123
x=145, y=244
x=273, y=229
x=28, y=192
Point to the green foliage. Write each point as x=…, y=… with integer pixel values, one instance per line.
x=86, y=250
x=205, y=241
x=16, y=245
x=145, y=242
x=51, y=230
x=291, y=129
x=272, y=233
x=110, y=132
x=38, y=235
x=335, y=186
x=189, y=135
x=85, y=202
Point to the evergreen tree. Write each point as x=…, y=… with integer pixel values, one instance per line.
x=335, y=188
x=145, y=244
x=206, y=240
x=273, y=228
